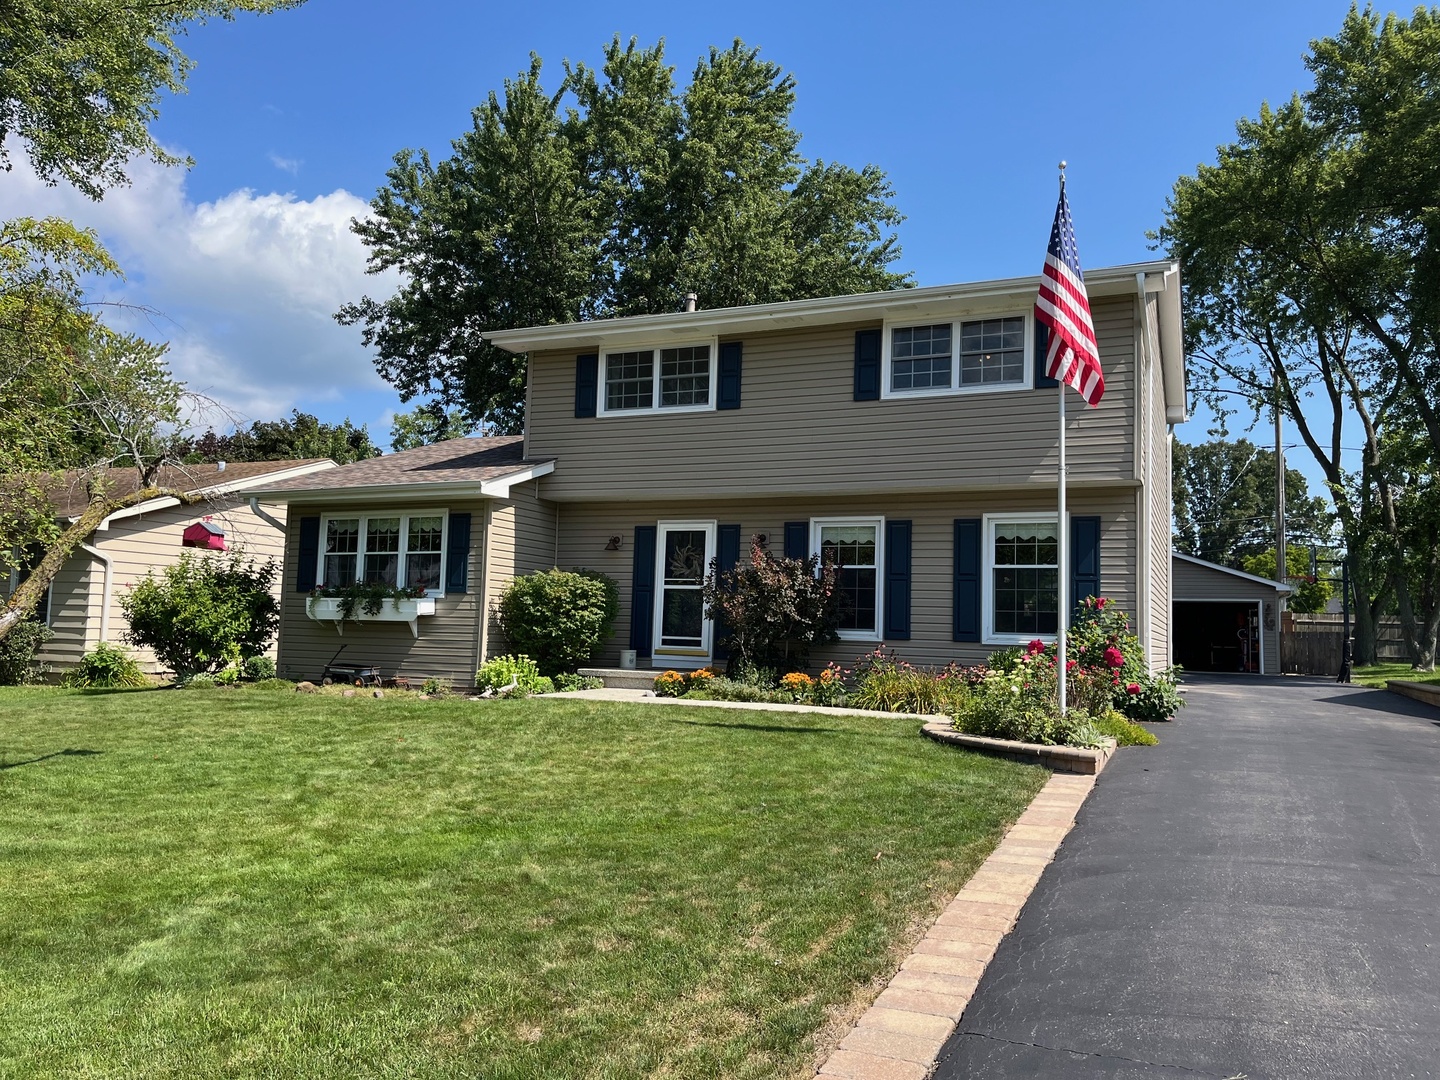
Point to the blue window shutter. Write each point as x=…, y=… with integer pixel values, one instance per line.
x=1042, y=344
x=587, y=385
x=727, y=554
x=897, y=580
x=457, y=554
x=867, y=365
x=309, y=555
x=1084, y=559
x=642, y=591
x=728, y=396
x=967, y=579
x=797, y=539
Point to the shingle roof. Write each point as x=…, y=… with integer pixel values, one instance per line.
x=69, y=494
x=455, y=461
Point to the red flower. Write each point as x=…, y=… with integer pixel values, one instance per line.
x=1035, y=646
x=1101, y=601
x=1071, y=665
x=1113, y=657
x=1132, y=688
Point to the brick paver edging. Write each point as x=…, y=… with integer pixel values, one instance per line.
x=901, y=1034
x=1071, y=759
x=1429, y=693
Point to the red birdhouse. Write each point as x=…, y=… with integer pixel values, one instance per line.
x=204, y=534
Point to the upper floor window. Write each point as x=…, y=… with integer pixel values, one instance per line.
x=400, y=550
x=954, y=357
x=678, y=377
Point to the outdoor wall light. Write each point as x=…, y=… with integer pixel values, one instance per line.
x=761, y=540
x=613, y=544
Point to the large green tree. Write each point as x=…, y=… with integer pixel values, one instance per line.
x=80, y=80
x=1310, y=254
x=302, y=435
x=617, y=193
x=1224, y=502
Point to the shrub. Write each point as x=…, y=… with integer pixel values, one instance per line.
x=258, y=668
x=105, y=667
x=771, y=612
x=434, y=687
x=1154, y=697
x=204, y=613
x=566, y=682
x=888, y=684
x=560, y=618
x=671, y=684
x=1124, y=731
x=797, y=686
x=18, y=665
x=497, y=675
x=1023, y=705
x=721, y=688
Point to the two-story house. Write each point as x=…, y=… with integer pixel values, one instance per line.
x=910, y=436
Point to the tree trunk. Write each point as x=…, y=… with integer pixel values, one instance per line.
x=1370, y=604
x=23, y=600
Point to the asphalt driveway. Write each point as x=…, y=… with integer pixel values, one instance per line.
x=1258, y=896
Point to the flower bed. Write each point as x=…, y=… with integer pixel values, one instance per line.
x=1013, y=697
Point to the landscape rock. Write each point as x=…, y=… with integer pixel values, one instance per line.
x=347, y=693
x=378, y=693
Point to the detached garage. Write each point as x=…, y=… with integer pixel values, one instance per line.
x=1224, y=620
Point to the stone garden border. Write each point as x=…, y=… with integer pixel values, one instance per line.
x=1069, y=759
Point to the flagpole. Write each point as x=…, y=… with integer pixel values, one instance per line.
x=1062, y=535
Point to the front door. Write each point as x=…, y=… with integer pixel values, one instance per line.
x=682, y=633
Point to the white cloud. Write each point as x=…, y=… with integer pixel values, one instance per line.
x=286, y=164
x=245, y=287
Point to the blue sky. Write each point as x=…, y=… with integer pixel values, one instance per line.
x=293, y=118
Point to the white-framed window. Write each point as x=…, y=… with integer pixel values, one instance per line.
x=41, y=611
x=663, y=378
x=405, y=549
x=957, y=356
x=1021, y=578
x=856, y=547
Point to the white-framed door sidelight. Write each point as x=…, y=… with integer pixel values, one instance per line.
x=682, y=559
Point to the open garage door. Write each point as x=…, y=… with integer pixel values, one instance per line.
x=1218, y=635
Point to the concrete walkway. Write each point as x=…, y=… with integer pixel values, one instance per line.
x=1258, y=896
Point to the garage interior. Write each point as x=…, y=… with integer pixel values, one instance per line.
x=1217, y=635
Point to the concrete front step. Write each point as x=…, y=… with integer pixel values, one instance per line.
x=623, y=678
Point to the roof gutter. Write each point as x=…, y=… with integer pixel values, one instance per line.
x=263, y=516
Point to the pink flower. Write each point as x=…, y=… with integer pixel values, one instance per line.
x=1071, y=665
x=1035, y=646
x=1101, y=601
x=1132, y=688
x=1113, y=657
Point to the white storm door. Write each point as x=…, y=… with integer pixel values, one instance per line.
x=684, y=551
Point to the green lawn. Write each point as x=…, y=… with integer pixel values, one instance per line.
x=258, y=883
x=1377, y=674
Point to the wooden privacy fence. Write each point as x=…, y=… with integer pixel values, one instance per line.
x=1312, y=644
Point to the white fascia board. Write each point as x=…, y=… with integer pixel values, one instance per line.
x=499, y=488
x=863, y=307
x=1278, y=586
x=1172, y=348
x=163, y=502
x=275, y=477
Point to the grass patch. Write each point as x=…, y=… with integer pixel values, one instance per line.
x=240, y=883
x=1379, y=674
x=1125, y=731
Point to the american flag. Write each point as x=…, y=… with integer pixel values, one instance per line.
x=1063, y=307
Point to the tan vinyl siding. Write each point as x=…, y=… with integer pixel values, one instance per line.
x=520, y=540
x=448, y=641
x=148, y=543
x=799, y=430
x=74, y=594
x=1192, y=582
x=586, y=527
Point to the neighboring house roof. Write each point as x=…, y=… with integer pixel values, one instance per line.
x=474, y=466
x=1160, y=278
x=1278, y=586
x=69, y=494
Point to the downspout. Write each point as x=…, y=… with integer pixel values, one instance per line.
x=263, y=516
x=105, y=589
x=1143, y=460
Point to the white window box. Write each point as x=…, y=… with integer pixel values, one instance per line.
x=327, y=609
